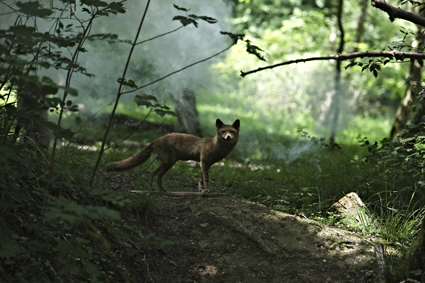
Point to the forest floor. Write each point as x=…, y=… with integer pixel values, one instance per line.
x=225, y=239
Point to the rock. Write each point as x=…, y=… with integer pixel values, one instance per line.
x=352, y=208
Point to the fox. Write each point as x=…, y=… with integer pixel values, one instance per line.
x=177, y=146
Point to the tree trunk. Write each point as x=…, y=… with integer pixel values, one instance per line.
x=187, y=115
x=402, y=114
x=337, y=94
x=403, y=111
x=361, y=23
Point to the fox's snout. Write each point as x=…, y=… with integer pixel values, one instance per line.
x=228, y=136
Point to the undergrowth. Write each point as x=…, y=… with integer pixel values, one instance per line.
x=54, y=228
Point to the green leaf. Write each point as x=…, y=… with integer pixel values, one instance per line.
x=57, y=130
x=129, y=83
x=253, y=49
x=9, y=248
x=95, y=3
x=23, y=31
x=416, y=272
x=116, y=7
x=234, y=36
x=180, y=8
x=165, y=112
x=73, y=108
x=48, y=89
x=33, y=9
x=69, y=90
x=204, y=18
x=144, y=99
x=185, y=20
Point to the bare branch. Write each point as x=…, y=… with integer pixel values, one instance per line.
x=179, y=70
x=397, y=13
x=383, y=54
x=159, y=35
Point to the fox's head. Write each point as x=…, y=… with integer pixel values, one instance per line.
x=228, y=132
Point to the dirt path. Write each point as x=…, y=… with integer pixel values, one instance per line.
x=222, y=239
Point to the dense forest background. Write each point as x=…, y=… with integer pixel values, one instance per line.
x=111, y=75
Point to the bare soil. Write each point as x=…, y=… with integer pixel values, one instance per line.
x=223, y=239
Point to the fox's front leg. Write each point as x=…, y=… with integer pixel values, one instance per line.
x=204, y=177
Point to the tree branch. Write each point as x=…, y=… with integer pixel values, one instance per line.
x=159, y=35
x=397, y=13
x=179, y=70
x=385, y=54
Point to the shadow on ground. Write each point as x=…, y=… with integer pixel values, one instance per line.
x=224, y=239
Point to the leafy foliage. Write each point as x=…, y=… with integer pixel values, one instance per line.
x=151, y=102
x=53, y=227
x=405, y=157
x=26, y=50
x=191, y=18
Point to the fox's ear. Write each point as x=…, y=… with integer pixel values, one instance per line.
x=236, y=124
x=218, y=124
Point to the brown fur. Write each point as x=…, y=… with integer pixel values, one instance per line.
x=174, y=147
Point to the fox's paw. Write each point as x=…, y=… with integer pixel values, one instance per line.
x=204, y=190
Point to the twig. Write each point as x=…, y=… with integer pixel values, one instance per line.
x=85, y=34
x=398, y=55
x=179, y=194
x=152, y=38
x=184, y=68
x=147, y=267
x=131, y=133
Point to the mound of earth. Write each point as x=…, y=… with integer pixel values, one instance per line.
x=223, y=239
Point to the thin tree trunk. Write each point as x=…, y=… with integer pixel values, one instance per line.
x=187, y=115
x=337, y=94
x=361, y=23
x=402, y=114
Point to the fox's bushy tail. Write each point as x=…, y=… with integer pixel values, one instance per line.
x=132, y=161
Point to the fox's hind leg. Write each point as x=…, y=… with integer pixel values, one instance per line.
x=201, y=184
x=161, y=170
x=153, y=174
